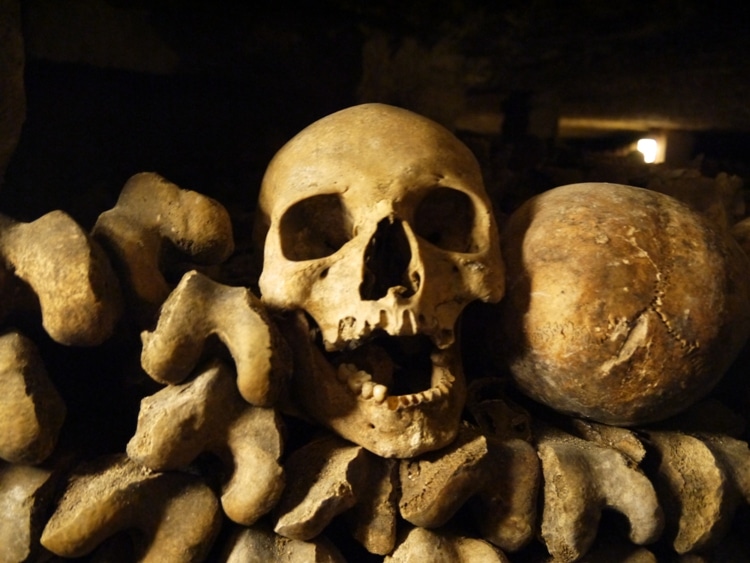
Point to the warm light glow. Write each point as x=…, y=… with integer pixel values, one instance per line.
x=649, y=148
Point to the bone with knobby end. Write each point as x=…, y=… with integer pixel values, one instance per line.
x=31, y=410
x=207, y=414
x=734, y=455
x=701, y=480
x=74, y=286
x=153, y=216
x=324, y=479
x=177, y=517
x=199, y=308
x=420, y=544
x=582, y=478
x=436, y=484
x=259, y=544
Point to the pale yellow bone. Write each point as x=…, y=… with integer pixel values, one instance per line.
x=199, y=308
x=76, y=289
x=581, y=479
x=31, y=410
x=177, y=516
x=152, y=215
x=207, y=414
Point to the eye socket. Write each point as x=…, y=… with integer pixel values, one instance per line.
x=445, y=218
x=313, y=228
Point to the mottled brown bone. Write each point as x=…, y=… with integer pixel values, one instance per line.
x=199, y=308
x=623, y=305
x=151, y=218
x=207, y=414
x=323, y=478
x=621, y=439
x=581, y=479
x=436, y=484
x=373, y=519
x=31, y=410
x=172, y=516
x=68, y=276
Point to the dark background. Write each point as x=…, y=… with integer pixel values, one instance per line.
x=205, y=92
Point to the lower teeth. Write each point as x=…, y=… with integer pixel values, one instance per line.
x=360, y=382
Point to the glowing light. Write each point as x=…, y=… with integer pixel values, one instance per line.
x=649, y=148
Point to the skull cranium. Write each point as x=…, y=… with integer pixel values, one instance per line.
x=378, y=227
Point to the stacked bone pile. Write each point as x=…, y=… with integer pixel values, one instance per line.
x=340, y=416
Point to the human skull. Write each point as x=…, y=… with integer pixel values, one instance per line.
x=378, y=227
x=623, y=305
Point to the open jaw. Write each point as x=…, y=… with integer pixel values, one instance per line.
x=398, y=371
x=397, y=396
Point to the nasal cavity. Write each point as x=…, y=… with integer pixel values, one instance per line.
x=387, y=260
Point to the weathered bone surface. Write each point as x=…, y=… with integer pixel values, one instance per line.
x=420, y=544
x=26, y=494
x=701, y=481
x=207, y=414
x=623, y=305
x=505, y=507
x=152, y=218
x=259, y=544
x=373, y=520
x=63, y=273
x=200, y=308
x=31, y=410
x=582, y=478
x=176, y=516
x=436, y=484
x=375, y=222
x=324, y=478
x=620, y=439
